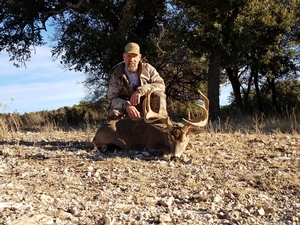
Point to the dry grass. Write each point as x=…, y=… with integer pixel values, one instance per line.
x=234, y=170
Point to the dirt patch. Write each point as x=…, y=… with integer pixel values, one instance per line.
x=55, y=178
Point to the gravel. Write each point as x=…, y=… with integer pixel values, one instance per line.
x=226, y=178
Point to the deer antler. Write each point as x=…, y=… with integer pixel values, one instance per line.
x=152, y=117
x=198, y=121
x=149, y=115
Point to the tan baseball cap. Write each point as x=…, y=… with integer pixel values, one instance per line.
x=133, y=48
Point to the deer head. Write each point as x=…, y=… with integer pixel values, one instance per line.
x=177, y=135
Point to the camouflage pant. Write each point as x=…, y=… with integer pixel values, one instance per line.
x=157, y=103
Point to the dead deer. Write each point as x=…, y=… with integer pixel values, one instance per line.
x=153, y=132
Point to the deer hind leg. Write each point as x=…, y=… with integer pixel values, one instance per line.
x=108, y=135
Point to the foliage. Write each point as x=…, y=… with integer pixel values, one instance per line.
x=99, y=46
x=89, y=116
x=82, y=116
x=193, y=44
x=268, y=56
x=288, y=97
x=183, y=73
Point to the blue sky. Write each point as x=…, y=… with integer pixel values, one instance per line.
x=43, y=85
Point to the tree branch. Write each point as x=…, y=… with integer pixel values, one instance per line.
x=127, y=17
x=67, y=7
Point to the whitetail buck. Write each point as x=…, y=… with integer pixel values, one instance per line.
x=152, y=132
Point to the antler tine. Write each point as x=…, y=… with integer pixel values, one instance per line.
x=205, y=99
x=198, y=121
x=149, y=115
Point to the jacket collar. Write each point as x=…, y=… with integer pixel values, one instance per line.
x=120, y=69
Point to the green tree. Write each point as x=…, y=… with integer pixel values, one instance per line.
x=90, y=34
x=254, y=41
x=190, y=42
x=268, y=54
x=183, y=72
x=209, y=28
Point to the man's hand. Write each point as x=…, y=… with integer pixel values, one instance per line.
x=135, y=98
x=132, y=111
x=130, y=108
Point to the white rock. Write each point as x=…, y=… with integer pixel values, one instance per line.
x=66, y=171
x=176, y=212
x=46, y=199
x=296, y=205
x=168, y=201
x=12, y=205
x=217, y=198
x=90, y=168
x=165, y=218
x=36, y=219
x=261, y=211
x=171, y=164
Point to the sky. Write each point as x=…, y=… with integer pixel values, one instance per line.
x=43, y=85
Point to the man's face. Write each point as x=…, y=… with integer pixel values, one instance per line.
x=131, y=61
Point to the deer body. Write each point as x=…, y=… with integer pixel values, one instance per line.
x=152, y=132
x=130, y=134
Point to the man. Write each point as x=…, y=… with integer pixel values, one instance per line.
x=129, y=82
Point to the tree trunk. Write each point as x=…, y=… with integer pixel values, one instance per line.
x=258, y=98
x=271, y=82
x=124, y=24
x=127, y=17
x=214, y=84
x=234, y=80
x=246, y=93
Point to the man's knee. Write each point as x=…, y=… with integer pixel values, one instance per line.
x=158, y=103
x=159, y=94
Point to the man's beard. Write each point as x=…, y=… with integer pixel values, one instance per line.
x=132, y=67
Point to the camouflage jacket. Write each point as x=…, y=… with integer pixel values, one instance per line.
x=120, y=91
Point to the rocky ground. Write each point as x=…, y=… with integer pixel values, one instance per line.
x=54, y=178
